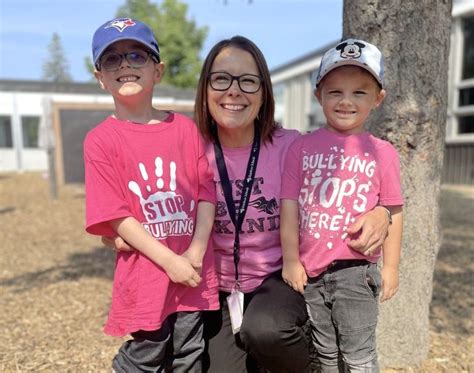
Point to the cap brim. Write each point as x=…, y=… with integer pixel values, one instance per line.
x=349, y=62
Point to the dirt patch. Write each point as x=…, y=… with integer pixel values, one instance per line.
x=55, y=283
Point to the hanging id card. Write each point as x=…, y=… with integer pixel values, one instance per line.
x=235, y=302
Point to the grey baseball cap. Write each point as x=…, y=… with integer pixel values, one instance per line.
x=353, y=52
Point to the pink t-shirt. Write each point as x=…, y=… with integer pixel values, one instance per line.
x=260, y=248
x=157, y=174
x=336, y=178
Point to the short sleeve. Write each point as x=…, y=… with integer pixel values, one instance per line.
x=104, y=198
x=207, y=188
x=291, y=176
x=390, y=184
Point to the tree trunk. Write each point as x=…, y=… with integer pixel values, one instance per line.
x=414, y=37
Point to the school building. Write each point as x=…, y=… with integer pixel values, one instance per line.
x=296, y=107
x=43, y=124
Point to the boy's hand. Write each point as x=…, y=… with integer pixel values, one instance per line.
x=295, y=276
x=389, y=283
x=195, y=257
x=180, y=270
x=117, y=243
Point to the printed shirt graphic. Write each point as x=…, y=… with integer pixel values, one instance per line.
x=335, y=179
x=260, y=248
x=157, y=174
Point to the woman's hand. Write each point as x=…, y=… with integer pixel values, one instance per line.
x=373, y=229
x=117, y=243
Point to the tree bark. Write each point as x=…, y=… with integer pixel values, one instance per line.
x=414, y=37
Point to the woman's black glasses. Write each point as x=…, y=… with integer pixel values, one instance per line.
x=221, y=81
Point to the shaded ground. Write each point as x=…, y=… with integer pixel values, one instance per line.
x=55, y=284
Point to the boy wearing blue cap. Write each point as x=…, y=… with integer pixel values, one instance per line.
x=148, y=180
x=332, y=176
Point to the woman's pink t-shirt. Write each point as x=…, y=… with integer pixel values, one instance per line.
x=260, y=248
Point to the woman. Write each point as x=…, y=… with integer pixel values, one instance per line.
x=234, y=111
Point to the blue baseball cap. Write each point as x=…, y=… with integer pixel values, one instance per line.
x=353, y=52
x=122, y=29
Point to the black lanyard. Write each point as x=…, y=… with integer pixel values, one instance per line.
x=237, y=217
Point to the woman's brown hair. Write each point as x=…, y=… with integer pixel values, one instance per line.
x=265, y=122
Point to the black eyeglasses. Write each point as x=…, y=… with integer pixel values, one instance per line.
x=221, y=81
x=112, y=61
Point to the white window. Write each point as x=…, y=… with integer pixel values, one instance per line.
x=461, y=123
x=6, y=139
x=466, y=86
x=279, y=96
x=30, y=128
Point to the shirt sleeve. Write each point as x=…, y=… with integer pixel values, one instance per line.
x=291, y=176
x=390, y=183
x=104, y=198
x=207, y=188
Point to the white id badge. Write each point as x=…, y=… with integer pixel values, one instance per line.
x=235, y=301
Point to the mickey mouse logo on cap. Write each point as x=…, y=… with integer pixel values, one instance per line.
x=351, y=49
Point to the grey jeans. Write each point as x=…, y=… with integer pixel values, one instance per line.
x=343, y=308
x=176, y=347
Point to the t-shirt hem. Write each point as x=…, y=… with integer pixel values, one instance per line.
x=391, y=202
x=317, y=272
x=114, y=331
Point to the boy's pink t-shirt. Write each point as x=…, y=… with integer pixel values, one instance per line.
x=335, y=179
x=157, y=174
x=260, y=248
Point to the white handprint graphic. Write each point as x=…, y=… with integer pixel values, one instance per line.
x=163, y=209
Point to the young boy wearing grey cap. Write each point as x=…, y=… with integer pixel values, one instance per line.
x=148, y=180
x=332, y=176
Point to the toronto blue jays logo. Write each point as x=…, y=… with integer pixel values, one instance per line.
x=121, y=24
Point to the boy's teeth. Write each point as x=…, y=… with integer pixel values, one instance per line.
x=128, y=79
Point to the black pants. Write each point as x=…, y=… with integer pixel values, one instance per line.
x=176, y=347
x=271, y=333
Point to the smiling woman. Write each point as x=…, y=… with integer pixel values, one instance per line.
x=234, y=111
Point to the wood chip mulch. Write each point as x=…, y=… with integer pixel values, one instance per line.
x=55, y=283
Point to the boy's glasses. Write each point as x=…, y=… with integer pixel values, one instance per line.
x=113, y=61
x=248, y=83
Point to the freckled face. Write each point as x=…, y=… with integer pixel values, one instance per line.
x=234, y=110
x=348, y=94
x=128, y=80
